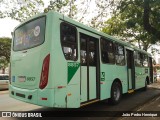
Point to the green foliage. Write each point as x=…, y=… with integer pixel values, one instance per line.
x=3, y=63
x=127, y=23
x=5, y=48
x=66, y=7
x=20, y=9
x=81, y=10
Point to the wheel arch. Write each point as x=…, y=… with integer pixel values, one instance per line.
x=112, y=99
x=147, y=79
x=119, y=81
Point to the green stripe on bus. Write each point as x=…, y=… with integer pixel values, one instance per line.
x=72, y=68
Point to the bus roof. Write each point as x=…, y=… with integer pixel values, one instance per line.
x=80, y=25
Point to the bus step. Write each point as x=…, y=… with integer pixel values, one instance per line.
x=130, y=91
x=87, y=103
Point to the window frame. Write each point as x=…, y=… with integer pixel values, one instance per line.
x=113, y=43
x=116, y=45
x=145, y=56
x=25, y=24
x=69, y=42
x=88, y=39
x=141, y=56
x=137, y=54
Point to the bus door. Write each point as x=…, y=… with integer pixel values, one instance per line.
x=89, y=70
x=130, y=70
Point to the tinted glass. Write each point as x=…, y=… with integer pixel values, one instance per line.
x=68, y=33
x=29, y=35
x=138, y=59
x=68, y=41
x=83, y=51
x=107, y=51
x=120, y=59
x=92, y=53
x=145, y=61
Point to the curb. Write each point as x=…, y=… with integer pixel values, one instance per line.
x=4, y=92
x=151, y=99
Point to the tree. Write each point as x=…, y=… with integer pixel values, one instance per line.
x=127, y=23
x=5, y=48
x=150, y=14
x=20, y=9
x=81, y=10
x=78, y=10
x=151, y=17
x=3, y=64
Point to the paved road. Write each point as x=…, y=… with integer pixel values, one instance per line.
x=129, y=102
x=153, y=105
x=10, y=104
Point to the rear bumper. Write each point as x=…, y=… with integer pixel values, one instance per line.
x=35, y=96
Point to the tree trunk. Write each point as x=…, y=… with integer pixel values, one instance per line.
x=146, y=23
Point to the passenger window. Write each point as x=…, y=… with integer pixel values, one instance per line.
x=107, y=51
x=83, y=51
x=138, y=59
x=145, y=61
x=120, y=56
x=69, y=41
x=92, y=53
x=87, y=50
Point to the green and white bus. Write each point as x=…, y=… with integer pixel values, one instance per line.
x=58, y=62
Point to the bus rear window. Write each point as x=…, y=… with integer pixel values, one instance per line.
x=29, y=35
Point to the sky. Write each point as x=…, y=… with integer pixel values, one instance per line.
x=7, y=25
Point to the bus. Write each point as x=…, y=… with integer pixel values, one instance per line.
x=58, y=62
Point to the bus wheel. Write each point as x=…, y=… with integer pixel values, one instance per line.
x=116, y=93
x=145, y=87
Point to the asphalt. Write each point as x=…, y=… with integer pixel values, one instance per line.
x=152, y=107
x=140, y=101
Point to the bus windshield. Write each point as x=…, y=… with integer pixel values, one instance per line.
x=29, y=35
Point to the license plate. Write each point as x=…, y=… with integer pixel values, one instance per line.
x=22, y=78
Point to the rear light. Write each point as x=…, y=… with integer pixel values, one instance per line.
x=10, y=73
x=44, y=72
x=43, y=98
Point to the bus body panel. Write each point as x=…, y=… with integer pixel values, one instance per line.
x=22, y=73
x=84, y=84
x=67, y=79
x=138, y=78
x=46, y=97
x=39, y=97
x=108, y=76
x=23, y=92
x=26, y=65
x=73, y=96
x=141, y=74
x=61, y=70
x=92, y=83
x=58, y=64
x=73, y=86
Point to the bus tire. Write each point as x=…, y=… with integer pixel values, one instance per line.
x=145, y=87
x=116, y=93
